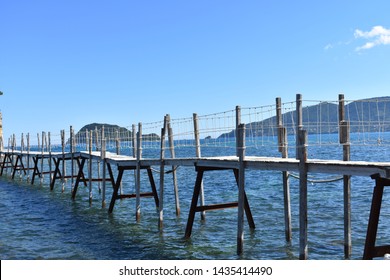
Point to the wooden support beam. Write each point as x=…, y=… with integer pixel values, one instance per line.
x=194, y=202
x=371, y=250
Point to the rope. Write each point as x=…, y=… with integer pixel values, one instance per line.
x=166, y=172
x=320, y=181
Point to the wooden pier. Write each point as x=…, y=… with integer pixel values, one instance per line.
x=19, y=161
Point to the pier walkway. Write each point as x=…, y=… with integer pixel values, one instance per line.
x=38, y=163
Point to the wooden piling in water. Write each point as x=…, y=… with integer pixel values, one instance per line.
x=282, y=139
x=97, y=143
x=72, y=150
x=344, y=129
x=299, y=121
x=198, y=154
x=174, y=173
x=238, y=122
x=50, y=159
x=138, y=177
x=42, y=152
x=301, y=155
x=303, y=207
x=241, y=188
x=28, y=156
x=162, y=175
x=103, y=158
x=63, y=143
x=21, y=158
x=118, y=152
x=90, y=166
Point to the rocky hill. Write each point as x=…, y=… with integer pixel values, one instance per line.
x=367, y=115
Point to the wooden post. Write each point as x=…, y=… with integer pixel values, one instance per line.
x=63, y=159
x=345, y=141
x=28, y=156
x=118, y=152
x=97, y=143
x=138, y=177
x=117, y=143
x=97, y=148
x=299, y=121
x=134, y=140
x=42, y=152
x=238, y=122
x=162, y=173
x=72, y=150
x=302, y=154
x=90, y=167
x=282, y=139
x=174, y=174
x=21, y=156
x=103, y=157
x=279, y=122
x=241, y=188
x=103, y=136
x=50, y=159
x=199, y=155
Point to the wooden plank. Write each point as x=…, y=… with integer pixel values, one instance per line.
x=123, y=196
x=212, y=207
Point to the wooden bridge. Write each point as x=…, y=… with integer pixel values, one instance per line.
x=28, y=162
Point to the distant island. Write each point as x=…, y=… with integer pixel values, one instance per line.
x=366, y=115
x=110, y=131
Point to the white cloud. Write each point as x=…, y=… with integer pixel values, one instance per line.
x=377, y=36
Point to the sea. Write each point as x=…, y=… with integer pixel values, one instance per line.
x=39, y=224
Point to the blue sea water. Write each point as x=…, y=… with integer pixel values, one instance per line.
x=37, y=223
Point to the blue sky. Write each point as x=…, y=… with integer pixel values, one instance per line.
x=74, y=62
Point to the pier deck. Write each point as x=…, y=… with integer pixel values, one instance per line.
x=26, y=160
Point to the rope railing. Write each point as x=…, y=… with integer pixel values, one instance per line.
x=369, y=124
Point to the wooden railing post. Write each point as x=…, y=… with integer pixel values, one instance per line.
x=303, y=218
x=162, y=173
x=241, y=188
x=282, y=140
x=199, y=155
x=138, y=177
x=103, y=158
x=299, y=121
x=174, y=173
x=344, y=130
